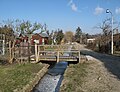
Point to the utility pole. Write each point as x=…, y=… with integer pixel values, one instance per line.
x=108, y=11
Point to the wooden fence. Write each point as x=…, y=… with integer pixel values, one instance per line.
x=43, y=52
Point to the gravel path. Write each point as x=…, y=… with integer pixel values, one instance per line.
x=103, y=73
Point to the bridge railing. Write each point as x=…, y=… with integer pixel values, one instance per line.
x=56, y=50
x=28, y=52
x=56, y=47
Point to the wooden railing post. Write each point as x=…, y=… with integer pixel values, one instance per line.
x=36, y=53
x=57, y=56
x=38, y=57
x=11, y=52
x=79, y=56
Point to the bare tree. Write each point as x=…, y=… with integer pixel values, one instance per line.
x=105, y=26
x=68, y=36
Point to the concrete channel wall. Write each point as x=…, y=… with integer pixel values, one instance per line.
x=53, y=78
x=35, y=81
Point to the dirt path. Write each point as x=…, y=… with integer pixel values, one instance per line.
x=103, y=73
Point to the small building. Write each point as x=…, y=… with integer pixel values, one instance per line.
x=90, y=40
x=41, y=38
x=21, y=38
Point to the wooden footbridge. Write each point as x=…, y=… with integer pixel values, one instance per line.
x=56, y=53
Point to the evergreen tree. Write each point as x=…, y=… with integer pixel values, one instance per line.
x=78, y=35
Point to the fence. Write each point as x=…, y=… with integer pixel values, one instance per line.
x=2, y=44
x=21, y=53
x=27, y=52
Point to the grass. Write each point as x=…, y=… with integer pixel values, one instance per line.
x=73, y=78
x=16, y=76
x=4, y=59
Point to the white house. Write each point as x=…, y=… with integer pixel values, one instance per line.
x=91, y=40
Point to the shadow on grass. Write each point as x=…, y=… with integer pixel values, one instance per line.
x=112, y=63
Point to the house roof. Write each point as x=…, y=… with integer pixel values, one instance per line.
x=44, y=35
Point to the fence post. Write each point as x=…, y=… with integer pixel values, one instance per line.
x=3, y=47
x=13, y=49
x=28, y=52
x=10, y=51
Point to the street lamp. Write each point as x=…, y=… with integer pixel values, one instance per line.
x=108, y=11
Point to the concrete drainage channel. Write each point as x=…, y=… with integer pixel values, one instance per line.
x=52, y=79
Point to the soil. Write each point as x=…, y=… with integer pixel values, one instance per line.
x=103, y=72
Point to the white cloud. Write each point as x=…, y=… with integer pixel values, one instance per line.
x=74, y=7
x=117, y=10
x=98, y=10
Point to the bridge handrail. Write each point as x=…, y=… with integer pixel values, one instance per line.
x=56, y=49
x=58, y=53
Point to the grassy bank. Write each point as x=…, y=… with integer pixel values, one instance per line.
x=73, y=78
x=16, y=76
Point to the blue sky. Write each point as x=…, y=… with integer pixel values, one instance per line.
x=63, y=14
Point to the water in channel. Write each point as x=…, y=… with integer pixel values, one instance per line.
x=52, y=80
